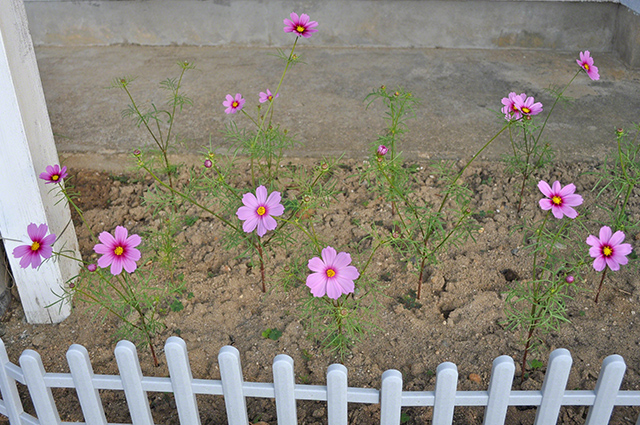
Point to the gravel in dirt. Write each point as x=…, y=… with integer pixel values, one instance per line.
x=460, y=317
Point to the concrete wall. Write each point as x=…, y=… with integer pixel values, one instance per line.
x=560, y=25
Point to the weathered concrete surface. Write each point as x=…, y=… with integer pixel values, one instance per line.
x=322, y=102
x=488, y=24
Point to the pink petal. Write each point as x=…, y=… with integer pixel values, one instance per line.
x=107, y=239
x=21, y=251
x=618, y=258
x=133, y=241
x=316, y=265
x=595, y=251
x=545, y=204
x=269, y=222
x=556, y=187
x=623, y=249
x=250, y=224
x=346, y=285
x=593, y=241
x=121, y=234
x=568, y=211
x=45, y=251
x=613, y=264
x=261, y=194
x=317, y=283
x=572, y=200
x=599, y=264
x=35, y=260
x=133, y=254
x=116, y=267
x=26, y=260
x=129, y=265
x=250, y=201
x=567, y=190
x=49, y=240
x=349, y=272
x=341, y=261
x=328, y=255
x=605, y=235
x=246, y=213
x=616, y=239
x=273, y=204
x=102, y=249
x=545, y=188
x=333, y=289
x=106, y=260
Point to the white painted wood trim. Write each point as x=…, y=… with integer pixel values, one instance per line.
x=26, y=148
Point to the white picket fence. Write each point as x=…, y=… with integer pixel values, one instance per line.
x=285, y=391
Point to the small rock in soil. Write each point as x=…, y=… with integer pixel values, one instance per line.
x=474, y=377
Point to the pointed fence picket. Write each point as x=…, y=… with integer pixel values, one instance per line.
x=337, y=394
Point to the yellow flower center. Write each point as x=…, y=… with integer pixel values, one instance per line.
x=526, y=110
x=235, y=104
x=35, y=246
x=261, y=211
x=55, y=177
x=557, y=200
x=300, y=29
x=586, y=67
x=607, y=251
x=119, y=250
x=270, y=97
x=331, y=273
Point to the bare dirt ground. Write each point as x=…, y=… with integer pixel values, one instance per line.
x=460, y=319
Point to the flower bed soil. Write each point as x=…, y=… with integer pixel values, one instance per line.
x=460, y=317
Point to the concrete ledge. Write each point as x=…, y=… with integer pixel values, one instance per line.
x=627, y=37
x=599, y=26
x=557, y=25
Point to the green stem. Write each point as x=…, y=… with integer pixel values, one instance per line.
x=604, y=273
x=486, y=145
x=189, y=199
x=555, y=103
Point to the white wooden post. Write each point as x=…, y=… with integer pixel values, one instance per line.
x=26, y=148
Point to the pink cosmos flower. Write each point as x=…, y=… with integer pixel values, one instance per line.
x=509, y=109
x=382, y=150
x=232, y=104
x=92, y=267
x=268, y=96
x=301, y=26
x=609, y=249
x=258, y=211
x=119, y=251
x=526, y=105
x=54, y=174
x=559, y=199
x=40, y=246
x=332, y=275
x=208, y=163
x=586, y=62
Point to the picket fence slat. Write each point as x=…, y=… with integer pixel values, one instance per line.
x=446, y=385
x=41, y=394
x=182, y=380
x=284, y=383
x=607, y=386
x=131, y=374
x=502, y=373
x=553, y=387
x=337, y=394
x=231, y=375
x=11, y=403
x=337, y=387
x=82, y=374
x=391, y=397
